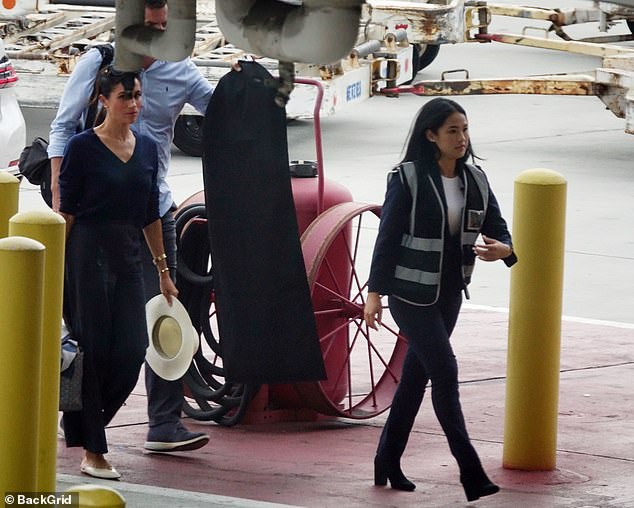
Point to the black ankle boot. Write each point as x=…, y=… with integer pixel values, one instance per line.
x=477, y=485
x=384, y=470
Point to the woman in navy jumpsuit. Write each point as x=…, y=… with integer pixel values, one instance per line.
x=108, y=195
x=435, y=208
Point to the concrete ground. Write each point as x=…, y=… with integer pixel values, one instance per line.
x=329, y=463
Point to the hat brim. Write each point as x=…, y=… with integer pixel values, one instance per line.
x=173, y=367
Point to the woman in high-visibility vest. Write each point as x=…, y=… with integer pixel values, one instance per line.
x=436, y=206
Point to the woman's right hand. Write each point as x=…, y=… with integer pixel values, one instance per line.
x=168, y=288
x=373, y=310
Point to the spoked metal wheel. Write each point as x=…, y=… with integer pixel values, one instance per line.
x=207, y=395
x=363, y=365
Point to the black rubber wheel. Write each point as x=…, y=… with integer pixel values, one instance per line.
x=422, y=56
x=184, y=218
x=208, y=397
x=188, y=134
x=427, y=53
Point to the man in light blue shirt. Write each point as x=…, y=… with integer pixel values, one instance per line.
x=167, y=87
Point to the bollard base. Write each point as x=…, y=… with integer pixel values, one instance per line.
x=97, y=496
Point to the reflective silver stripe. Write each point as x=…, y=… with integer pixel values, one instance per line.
x=440, y=204
x=419, y=276
x=423, y=244
x=409, y=170
x=481, y=181
x=442, y=234
x=469, y=238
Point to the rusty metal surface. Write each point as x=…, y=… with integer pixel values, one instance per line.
x=615, y=100
x=604, y=39
x=37, y=45
x=584, y=48
x=622, y=62
x=543, y=85
x=432, y=22
x=617, y=92
x=552, y=15
x=14, y=28
x=620, y=7
x=558, y=17
x=50, y=35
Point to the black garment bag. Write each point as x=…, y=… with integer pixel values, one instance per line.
x=265, y=314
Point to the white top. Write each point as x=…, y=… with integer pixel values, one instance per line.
x=455, y=198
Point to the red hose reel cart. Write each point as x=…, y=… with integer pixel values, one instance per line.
x=337, y=236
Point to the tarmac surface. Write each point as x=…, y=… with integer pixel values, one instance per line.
x=328, y=463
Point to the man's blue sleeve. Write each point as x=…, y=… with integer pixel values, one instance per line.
x=74, y=102
x=200, y=89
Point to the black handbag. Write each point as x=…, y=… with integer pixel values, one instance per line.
x=71, y=375
x=34, y=162
x=35, y=166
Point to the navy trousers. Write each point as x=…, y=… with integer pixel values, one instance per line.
x=104, y=289
x=429, y=357
x=164, y=398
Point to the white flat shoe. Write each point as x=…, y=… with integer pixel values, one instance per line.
x=101, y=472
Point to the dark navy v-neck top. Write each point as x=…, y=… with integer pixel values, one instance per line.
x=98, y=187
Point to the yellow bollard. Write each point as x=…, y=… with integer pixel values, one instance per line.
x=97, y=496
x=21, y=286
x=49, y=228
x=9, y=192
x=532, y=385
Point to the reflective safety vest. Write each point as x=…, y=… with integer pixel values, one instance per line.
x=417, y=275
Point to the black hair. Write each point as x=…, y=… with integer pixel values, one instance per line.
x=107, y=79
x=431, y=116
x=155, y=4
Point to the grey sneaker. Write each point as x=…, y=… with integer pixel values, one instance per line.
x=174, y=438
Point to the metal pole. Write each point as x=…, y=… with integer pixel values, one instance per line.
x=319, y=152
x=532, y=386
x=49, y=228
x=22, y=285
x=9, y=195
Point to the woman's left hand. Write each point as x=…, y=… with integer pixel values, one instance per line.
x=168, y=288
x=491, y=249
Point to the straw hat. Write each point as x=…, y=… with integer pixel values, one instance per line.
x=173, y=339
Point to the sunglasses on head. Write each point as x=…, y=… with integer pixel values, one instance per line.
x=126, y=78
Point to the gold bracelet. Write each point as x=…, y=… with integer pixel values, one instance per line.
x=159, y=258
x=163, y=270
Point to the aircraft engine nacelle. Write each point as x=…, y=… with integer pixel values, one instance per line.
x=308, y=31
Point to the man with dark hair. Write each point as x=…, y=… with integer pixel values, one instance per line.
x=154, y=18
x=166, y=86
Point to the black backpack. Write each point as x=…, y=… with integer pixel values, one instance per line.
x=107, y=55
x=34, y=163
